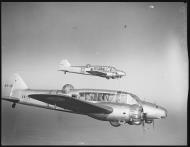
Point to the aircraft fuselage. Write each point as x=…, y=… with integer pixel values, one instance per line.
x=127, y=107
x=95, y=70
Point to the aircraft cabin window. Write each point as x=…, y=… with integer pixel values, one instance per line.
x=82, y=96
x=87, y=97
x=106, y=97
x=102, y=97
x=95, y=97
x=91, y=96
x=111, y=97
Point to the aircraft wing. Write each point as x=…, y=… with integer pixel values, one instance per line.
x=70, y=103
x=95, y=72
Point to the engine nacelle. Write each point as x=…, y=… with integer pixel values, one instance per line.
x=131, y=114
x=67, y=88
x=135, y=115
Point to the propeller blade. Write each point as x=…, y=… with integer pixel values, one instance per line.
x=143, y=126
x=143, y=123
x=153, y=124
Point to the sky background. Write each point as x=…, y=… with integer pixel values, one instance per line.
x=152, y=50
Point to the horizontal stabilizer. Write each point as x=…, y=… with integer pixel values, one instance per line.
x=11, y=99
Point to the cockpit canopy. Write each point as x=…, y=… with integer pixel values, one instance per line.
x=112, y=69
x=105, y=68
x=88, y=65
x=124, y=98
x=67, y=88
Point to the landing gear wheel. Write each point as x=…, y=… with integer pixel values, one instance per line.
x=115, y=123
x=13, y=105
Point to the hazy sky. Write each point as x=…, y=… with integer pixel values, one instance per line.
x=152, y=50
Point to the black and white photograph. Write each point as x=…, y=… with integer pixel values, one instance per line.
x=94, y=73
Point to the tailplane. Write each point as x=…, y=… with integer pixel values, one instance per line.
x=65, y=62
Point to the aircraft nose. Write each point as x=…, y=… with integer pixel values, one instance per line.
x=164, y=113
x=122, y=73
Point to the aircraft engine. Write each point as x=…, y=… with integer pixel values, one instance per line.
x=67, y=88
x=136, y=116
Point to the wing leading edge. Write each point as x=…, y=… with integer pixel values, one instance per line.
x=97, y=73
x=70, y=103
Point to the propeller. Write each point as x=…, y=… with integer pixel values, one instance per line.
x=153, y=124
x=143, y=126
x=143, y=117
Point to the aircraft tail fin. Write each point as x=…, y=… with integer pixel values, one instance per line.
x=64, y=63
x=13, y=83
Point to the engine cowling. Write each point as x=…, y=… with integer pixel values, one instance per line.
x=136, y=115
x=67, y=88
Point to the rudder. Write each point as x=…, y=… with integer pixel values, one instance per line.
x=65, y=63
x=13, y=83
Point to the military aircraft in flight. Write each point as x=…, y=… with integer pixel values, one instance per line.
x=116, y=107
x=95, y=70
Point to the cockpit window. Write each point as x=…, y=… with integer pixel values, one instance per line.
x=135, y=97
x=105, y=68
x=113, y=69
x=107, y=97
x=131, y=100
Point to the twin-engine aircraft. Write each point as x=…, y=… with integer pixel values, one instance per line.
x=95, y=70
x=116, y=107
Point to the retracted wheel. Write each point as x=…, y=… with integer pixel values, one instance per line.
x=13, y=105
